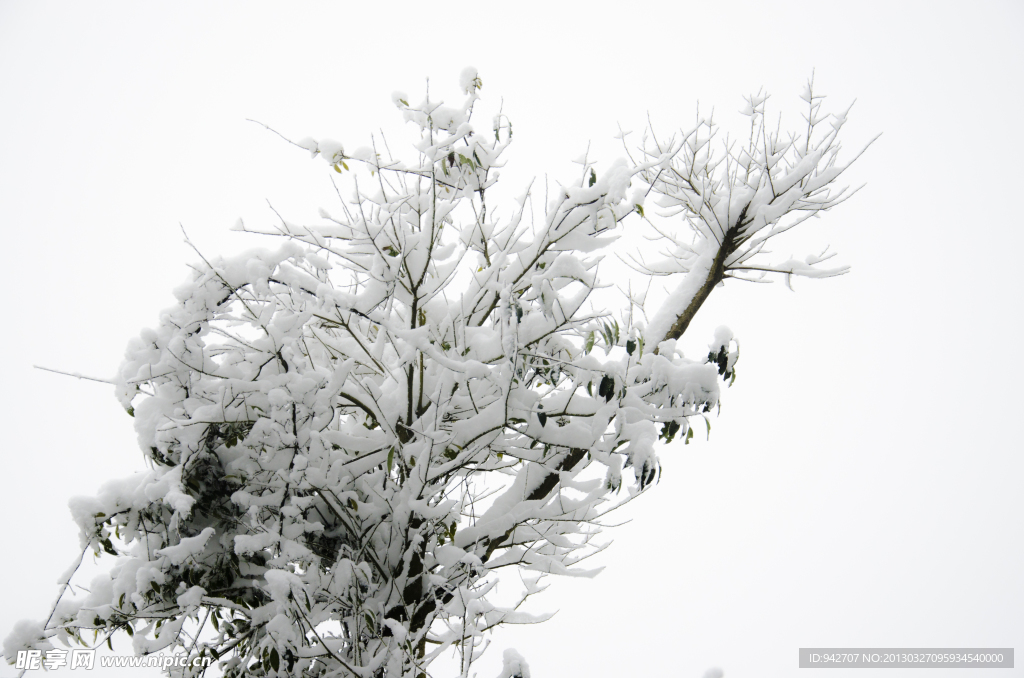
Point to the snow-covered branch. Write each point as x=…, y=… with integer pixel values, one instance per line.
x=734, y=199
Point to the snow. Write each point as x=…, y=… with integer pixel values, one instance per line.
x=310, y=144
x=332, y=151
x=280, y=584
x=468, y=79
x=680, y=299
x=723, y=336
x=246, y=544
x=187, y=548
x=513, y=665
x=193, y=597
x=26, y=634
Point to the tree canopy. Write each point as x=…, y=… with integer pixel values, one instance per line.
x=350, y=435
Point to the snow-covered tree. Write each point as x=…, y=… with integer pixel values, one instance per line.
x=350, y=436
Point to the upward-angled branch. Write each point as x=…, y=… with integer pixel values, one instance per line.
x=733, y=202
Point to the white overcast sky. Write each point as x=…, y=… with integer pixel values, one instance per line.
x=862, y=486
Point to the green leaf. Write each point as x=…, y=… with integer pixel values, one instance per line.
x=131, y=411
x=639, y=208
x=593, y=177
x=630, y=346
x=669, y=430
x=275, y=659
x=543, y=418
x=590, y=343
x=391, y=459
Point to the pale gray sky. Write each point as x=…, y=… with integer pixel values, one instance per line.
x=862, y=484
